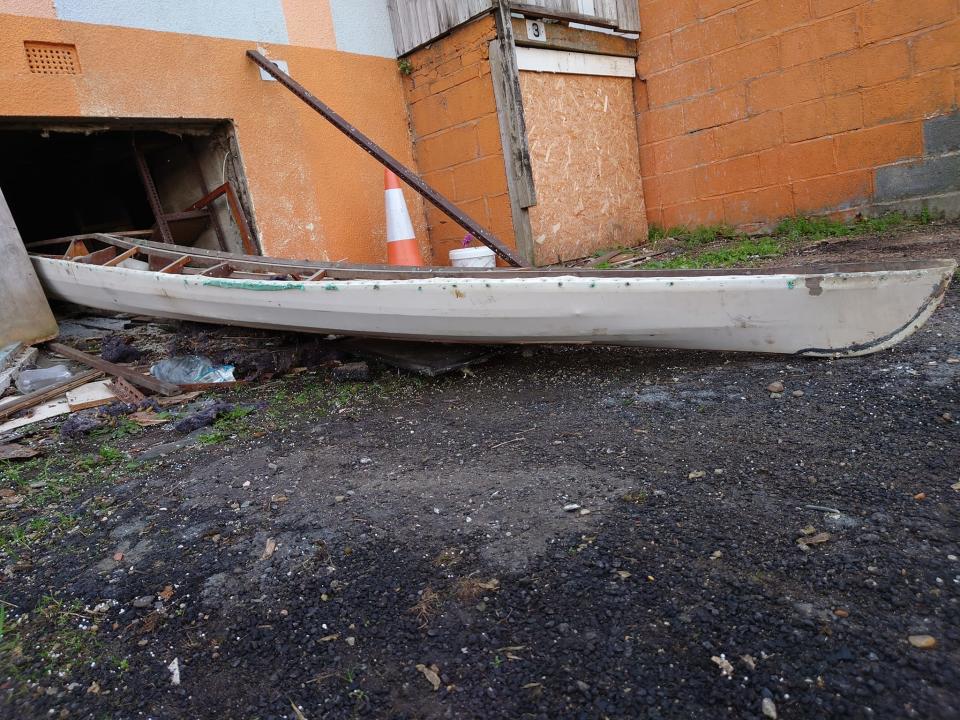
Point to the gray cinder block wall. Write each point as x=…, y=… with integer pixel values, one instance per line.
x=932, y=182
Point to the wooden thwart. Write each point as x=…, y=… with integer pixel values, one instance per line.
x=121, y=257
x=177, y=265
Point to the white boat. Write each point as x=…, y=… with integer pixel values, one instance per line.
x=837, y=310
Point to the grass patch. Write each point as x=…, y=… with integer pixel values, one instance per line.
x=743, y=252
x=739, y=249
x=230, y=424
x=694, y=237
x=51, y=641
x=122, y=427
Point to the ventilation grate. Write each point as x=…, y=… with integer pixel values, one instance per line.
x=52, y=58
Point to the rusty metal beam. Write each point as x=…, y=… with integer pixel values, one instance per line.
x=238, y=217
x=153, y=197
x=408, y=175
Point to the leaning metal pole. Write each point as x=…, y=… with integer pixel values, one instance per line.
x=408, y=175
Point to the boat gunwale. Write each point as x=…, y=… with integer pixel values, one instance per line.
x=347, y=271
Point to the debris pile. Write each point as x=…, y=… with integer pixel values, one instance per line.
x=106, y=371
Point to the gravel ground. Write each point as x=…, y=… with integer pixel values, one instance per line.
x=562, y=533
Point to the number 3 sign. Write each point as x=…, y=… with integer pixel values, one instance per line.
x=536, y=30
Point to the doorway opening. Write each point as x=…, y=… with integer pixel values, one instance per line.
x=172, y=182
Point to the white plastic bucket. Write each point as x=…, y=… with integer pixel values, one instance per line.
x=482, y=257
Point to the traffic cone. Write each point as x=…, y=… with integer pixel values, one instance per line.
x=402, y=245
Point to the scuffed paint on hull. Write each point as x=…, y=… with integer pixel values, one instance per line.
x=834, y=314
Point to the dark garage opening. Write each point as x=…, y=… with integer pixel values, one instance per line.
x=70, y=179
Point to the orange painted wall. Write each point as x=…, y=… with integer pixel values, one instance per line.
x=752, y=110
x=456, y=131
x=315, y=193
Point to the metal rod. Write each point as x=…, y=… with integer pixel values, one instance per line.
x=409, y=176
x=238, y=217
x=153, y=197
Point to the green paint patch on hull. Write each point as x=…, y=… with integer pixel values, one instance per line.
x=262, y=285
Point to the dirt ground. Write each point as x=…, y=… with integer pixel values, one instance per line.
x=563, y=532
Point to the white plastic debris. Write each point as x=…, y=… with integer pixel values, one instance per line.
x=174, y=669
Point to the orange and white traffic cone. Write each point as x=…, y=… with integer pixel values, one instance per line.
x=402, y=245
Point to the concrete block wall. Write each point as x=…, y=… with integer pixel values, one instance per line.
x=456, y=133
x=752, y=110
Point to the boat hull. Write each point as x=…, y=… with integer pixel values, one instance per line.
x=827, y=314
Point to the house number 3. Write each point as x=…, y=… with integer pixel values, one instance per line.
x=536, y=30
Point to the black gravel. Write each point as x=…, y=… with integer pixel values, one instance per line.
x=422, y=523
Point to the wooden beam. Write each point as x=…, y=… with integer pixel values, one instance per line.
x=144, y=381
x=125, y=255
x=383, y=157
x=239, y=218
x=535, y=11
x=563, y=37
x=48, y=393
x=177, y=265
x=628, y=15
x=513, y=131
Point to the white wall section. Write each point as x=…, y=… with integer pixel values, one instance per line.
x=363, y=26
x=572, y=63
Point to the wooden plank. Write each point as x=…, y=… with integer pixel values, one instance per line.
x=416, y=23
x=126, y=255
x=241, y=220
x=513, y=131
x=25, y=315
x=563, y=37
x=90, y=395
x=536, y=59
x=48, y=393
x=177, y=265
x=37, y=413
x=628, y=15
x=549, y=13
x=144, y=381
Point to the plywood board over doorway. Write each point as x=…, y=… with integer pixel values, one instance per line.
x=25, y=315
x=582, y=134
